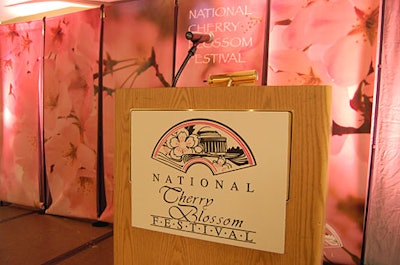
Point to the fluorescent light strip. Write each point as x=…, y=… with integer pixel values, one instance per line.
x=30, y=9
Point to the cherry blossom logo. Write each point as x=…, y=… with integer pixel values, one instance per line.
x=203, y=141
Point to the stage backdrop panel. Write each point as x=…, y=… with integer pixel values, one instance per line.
x=138, y=52
x=239, y=29
x=70, y=112
x=20, y=170
x=334, y=43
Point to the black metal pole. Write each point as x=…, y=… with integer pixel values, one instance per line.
x=101, y=193
x=44, y=190
x=264, y=75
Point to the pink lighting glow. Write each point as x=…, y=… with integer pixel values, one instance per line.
x=310, y=43
x=12, y=9
x=8, y=118
x=26, y=10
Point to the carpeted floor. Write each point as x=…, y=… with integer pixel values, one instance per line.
x=28, y=237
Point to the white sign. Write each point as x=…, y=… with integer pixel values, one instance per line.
x=220, y=176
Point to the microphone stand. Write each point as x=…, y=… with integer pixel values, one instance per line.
x=191, y=52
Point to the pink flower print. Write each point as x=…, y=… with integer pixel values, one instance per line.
x=283, y=11
x=367, y=24
x=165, y=150
x=221, y=165
x=321, y=22
x=8, y=64
x=293, y=67
x=57, y=33
x=181, y=143
x=12, y=32
x=26, y=42
x=348, y=60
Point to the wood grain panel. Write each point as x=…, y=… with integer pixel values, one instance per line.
x=305, y=209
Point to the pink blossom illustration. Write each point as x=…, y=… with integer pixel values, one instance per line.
x=181, y=143
x=203, y=141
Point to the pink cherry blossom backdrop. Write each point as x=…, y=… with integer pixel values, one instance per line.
x=70, y=112
x=310, y=42
x=21, y=50
x=334, y=42
x=138, y=52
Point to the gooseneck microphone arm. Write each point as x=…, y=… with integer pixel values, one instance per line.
x=196, y=39
x=189, y=55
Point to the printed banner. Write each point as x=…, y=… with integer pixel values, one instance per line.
x=238, y=30
x=219, y=176
x=20, y=47
x=70, y=112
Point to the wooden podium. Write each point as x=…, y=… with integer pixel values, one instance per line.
x=305, y=209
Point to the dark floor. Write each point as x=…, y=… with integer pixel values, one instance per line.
x=28, y=237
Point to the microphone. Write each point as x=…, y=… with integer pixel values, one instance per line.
x=197, y=37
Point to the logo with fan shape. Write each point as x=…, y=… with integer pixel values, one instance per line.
x=206, y=142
